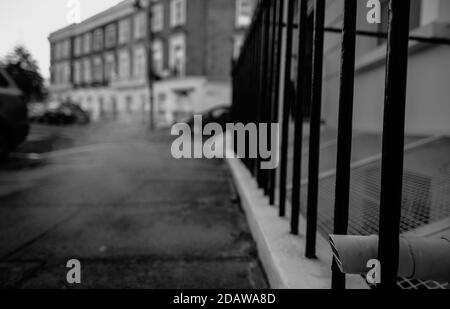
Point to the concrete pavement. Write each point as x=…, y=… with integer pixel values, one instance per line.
x=115, y=199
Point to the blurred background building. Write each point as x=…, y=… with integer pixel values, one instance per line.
x=101, y=63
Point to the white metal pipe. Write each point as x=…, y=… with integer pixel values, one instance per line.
x=419, y=257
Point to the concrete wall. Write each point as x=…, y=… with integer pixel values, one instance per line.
x=428, y=102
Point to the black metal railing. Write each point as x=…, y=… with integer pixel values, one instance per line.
x=259, y=87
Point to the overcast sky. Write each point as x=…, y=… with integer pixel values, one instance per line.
x=29, y=22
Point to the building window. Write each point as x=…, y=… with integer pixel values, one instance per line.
x=87, y=43
x=124, y=64
x=140, y=25
x=162, y=108
x=129, y=104
x=139, y=62
x=63, y=73
x=124, y=31
x=64, y=49
x=55, y=51
x=114, y=105
x=52, y=75
x=98, y=40
x=78, y=48
x=61, y=50
x=98, y=69
x=158, y=57
x=57, y=74
x=58, y=51
x=60, y=74
x=87, y=71
x=110, y=36
x=177, y=55
x=110, y=67
x=77, y=74
x=177, y=12
x=244, y=12
x=157, y=17
x=101, y=105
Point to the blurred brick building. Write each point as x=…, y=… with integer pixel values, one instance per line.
x=101, y=63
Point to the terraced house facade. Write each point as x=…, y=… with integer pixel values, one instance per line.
x=102, y=63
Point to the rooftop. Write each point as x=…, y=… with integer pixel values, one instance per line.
x=118, y=11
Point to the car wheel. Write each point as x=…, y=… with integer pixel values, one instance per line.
x=4, y=148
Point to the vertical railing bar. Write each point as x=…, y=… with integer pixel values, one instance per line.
x=266, y=76
x=286, y=109
x=345, y=127
x=300, y=101
x=264, y=81
x=257, y=88
x=314, y=144
x=275, y=105
x=259, y=64
x=245, y=102
x=270, y=86
x=393, y=141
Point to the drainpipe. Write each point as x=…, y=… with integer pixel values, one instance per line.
x=419, y=257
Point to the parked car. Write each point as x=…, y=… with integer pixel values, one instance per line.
x=218, y=114
x=14, y=125
x=64, y=114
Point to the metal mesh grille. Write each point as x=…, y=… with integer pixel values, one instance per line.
x=426, y=197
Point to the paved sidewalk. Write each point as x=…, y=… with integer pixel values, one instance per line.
x=134, y=216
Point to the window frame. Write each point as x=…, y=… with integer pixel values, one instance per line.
x=139, y=61
x=157, y=17
x=173, y=41
x=78, y=48
x=78, y=72
x=125, y=28
x=139, y=25
x=176, y=20
x=87, y=43
x=98, y=39
x=87, y=70
x=158, y=64
x=98, y=69
x=123, y=52
x=109, y=66
x=111, y=36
